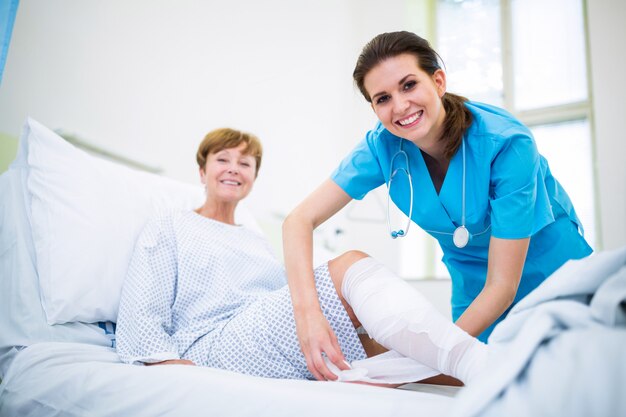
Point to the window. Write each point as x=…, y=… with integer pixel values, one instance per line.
x=548, y=53
x=469, y=42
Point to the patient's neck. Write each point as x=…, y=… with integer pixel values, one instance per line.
x=221, y=211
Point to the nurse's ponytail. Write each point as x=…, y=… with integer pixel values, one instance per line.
x=388, y=45
x=458, y=120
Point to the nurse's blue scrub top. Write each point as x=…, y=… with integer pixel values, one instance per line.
x=510, y=194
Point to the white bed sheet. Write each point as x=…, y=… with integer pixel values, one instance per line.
x=74, y=379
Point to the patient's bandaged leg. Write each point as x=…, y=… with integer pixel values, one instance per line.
x=400, y=318
x=387, y=368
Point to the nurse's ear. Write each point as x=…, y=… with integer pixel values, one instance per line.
x=439, y=79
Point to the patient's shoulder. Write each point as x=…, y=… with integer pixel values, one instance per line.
x=158, y=227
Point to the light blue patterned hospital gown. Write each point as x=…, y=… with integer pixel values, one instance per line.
x=214, y=293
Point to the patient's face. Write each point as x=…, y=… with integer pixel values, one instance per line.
x=229, y=174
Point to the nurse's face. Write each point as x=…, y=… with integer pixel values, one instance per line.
x=229, y=174
x=407, y=100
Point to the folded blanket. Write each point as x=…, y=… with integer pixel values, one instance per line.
x=561, y=349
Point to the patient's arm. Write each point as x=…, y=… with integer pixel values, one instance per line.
x=144, y=322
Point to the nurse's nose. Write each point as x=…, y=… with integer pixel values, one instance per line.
x=400, y=105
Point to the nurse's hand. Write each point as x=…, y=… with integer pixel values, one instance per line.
x=317, y=338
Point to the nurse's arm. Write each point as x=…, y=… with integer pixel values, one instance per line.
x=314, y=332
x=504, y=271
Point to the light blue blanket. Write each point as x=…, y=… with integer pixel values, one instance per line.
x=562, y=349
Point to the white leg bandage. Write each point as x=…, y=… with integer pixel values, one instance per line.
x=400, y=318
x=387, y=368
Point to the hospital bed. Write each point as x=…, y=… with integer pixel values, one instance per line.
x=68, y=223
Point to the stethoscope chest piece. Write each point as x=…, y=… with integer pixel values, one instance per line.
x=461, y=237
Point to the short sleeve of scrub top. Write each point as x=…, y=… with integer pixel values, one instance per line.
x=361, y=171
x=519, y=201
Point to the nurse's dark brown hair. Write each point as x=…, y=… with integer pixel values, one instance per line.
x=388, y=45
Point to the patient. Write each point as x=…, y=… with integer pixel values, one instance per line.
x=202, y=290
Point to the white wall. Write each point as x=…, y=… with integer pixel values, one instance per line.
x=607, y=31
x=149, y=78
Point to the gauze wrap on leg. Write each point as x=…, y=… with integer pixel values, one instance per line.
x=390, y=367
x=400, y=318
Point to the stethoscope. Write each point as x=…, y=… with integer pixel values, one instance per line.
x=461, y=235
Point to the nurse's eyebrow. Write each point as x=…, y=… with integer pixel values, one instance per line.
x=402, y=80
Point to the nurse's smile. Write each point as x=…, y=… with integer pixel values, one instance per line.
x=411, y=120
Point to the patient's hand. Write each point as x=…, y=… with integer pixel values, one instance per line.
x=173, y=362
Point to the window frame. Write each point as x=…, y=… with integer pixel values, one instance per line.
x=567, y=112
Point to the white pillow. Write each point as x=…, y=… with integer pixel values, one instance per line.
x=86, y=214
x=22, y=318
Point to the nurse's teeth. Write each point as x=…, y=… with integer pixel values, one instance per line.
x=410, y=119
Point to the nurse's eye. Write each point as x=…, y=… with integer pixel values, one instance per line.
x=222, y=160
x=245, y=163
x=409, y=85
x=382, y=99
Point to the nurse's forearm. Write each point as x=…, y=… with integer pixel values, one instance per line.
x=315, y=334
x=298, y=228
x=485, y=309
x=504, y=271
x=298, y=252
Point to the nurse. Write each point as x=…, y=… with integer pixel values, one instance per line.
x=472, y=166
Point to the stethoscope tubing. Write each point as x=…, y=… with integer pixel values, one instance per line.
x=461, y=235
x=400, y=232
